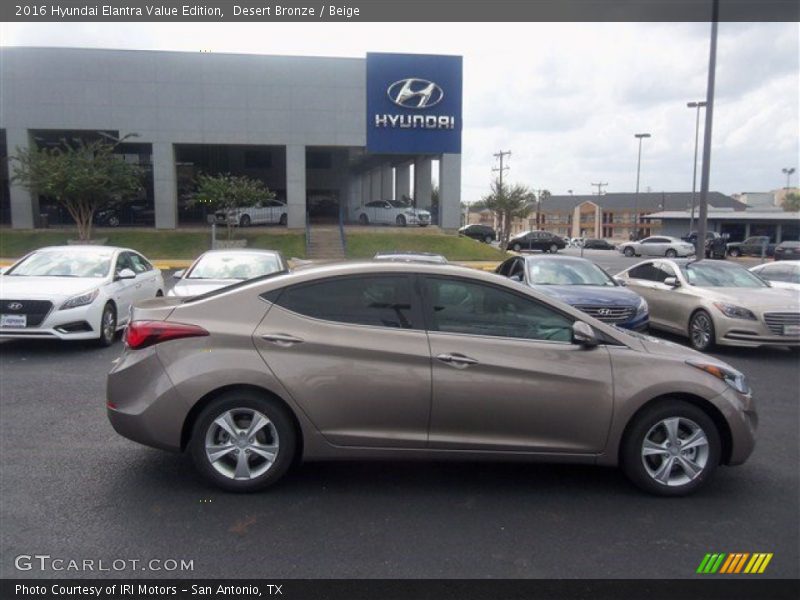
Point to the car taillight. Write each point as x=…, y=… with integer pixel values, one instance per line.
x=141, y=334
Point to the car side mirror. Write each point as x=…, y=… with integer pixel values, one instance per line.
x=583, y=334
x=621, y=281
x=126, y=274
x=672, y=282
x=179, y=274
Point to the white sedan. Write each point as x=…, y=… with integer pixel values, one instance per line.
x=216, y=269
x=657, y=245
x=780, y=274
x=393, y=212
x=265, y=213
x=74, y=292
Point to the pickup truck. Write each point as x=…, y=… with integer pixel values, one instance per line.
x=716, y=244
x=752, y=246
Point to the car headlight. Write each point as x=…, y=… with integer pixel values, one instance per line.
x=642, y=309
x=80, y=300
x=731, y=376
x=735, y=312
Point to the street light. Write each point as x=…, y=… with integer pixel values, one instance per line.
x=640, y=136
x=788, y=173
x=698, y=105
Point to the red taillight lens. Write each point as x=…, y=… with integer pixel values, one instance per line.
x=141, y=334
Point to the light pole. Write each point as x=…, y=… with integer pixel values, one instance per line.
x=698, y=105
x=788, y=172
x=640, y=136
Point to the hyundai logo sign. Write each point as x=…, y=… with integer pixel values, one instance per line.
x=14, y=306
x=415, y=93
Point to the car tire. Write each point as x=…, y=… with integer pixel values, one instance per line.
x=488, y=239
x=671, y=253
x=517, y=248
x=108, y=326
x=660, y=433
x=283, y=220
x=553, y=248
x=363, y=219
x=113, y=221
x=734, y=252
x=629, y=252
x=401, y=221
x=277, y=438
x=244, y=221
x=702, y=334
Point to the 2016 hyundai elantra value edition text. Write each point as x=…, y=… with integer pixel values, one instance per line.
x=401, y=360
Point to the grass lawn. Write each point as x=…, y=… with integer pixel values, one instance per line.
x=153, y=244
x=452, y=247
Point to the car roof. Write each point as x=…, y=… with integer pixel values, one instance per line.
x=100, y=249
x=555, y=257
x=241, y=251
x=794, y=263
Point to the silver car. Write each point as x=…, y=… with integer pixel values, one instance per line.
x=219, y=268
x=392, y=212
x=392, y=360
x=713, y=302
x=657, y=245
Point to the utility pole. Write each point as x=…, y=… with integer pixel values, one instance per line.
x=698, y=106
x=599, y=187
x=501, y=156
x=640, y=137
x=702, y=218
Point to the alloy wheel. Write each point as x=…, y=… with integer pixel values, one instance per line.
x=701, y=331
x=241, y=444
x=108, y=326
x=675, y=451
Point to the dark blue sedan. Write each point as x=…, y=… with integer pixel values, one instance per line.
x=582, y=284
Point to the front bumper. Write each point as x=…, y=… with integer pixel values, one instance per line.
x=742, y=420
x=81, y=323
x=639, y=323
x=418, y=219
x=750, y=334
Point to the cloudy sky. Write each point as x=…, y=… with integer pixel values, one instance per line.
x=566, y=98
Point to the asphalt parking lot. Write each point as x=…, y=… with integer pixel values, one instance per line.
x=73, y=489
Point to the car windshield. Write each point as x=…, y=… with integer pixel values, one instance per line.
x=703, y=274
x=235, y=266
x=399, y=204
x=567, y=272
x=64, y=263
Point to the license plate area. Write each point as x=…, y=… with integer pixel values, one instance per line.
x=791, y=330
x=13, y=321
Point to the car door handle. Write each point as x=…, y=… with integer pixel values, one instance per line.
x=458, y=361
x=281, y=339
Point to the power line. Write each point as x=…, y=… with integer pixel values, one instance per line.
x=600, y=187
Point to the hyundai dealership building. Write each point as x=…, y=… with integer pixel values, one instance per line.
x=327, y=135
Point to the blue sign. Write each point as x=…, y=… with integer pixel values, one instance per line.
x=413, y=104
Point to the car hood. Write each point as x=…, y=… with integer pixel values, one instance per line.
x=764, y=299
x=46, y=288
x=418, y=211
x=194, y=287
x=590, y=294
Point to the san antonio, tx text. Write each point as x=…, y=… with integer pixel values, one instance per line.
x=130, y=589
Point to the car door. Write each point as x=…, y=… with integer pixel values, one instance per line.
x=647, y=280
x=124, y=291
x=506, y=375
x=147, y=277
x=652, y=247
x=673, y=304
x=354, y=355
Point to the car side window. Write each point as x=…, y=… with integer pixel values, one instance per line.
x=517, y=270
x=646, y=271
x=662, y=271
x=505, y=268
x=377, y=300
x=124, y=262
x=140, y=265
x=466, y=307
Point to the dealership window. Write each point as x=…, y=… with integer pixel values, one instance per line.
x=767, y=229
x=382, y=301
x=790, y=231
x=257, y=159
x=460, y=306
x=318, y=159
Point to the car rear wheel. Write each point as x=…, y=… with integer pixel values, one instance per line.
x=244, y=221
x=553, y=248
x=735, y=252
x=108, y=326
x=629, y=252
x=517, y=248
x=401, y=221
x=671, y=448
x=702, y=336
x=282, y=220
x=243, y=441
x=487, y=239
x=363, y=219
x=671, y=253
x=113, y=221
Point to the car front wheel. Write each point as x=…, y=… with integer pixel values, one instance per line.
x=108, y=326
x=671, y=448
x=363, y=219
x=701, y=331
x=671, y=253
x=628, y=252
x=401, y=221
x=244, y=221
x=243, y=441
x=735, y=252
x=487, y=239
x=517, y=248
x=553, y=248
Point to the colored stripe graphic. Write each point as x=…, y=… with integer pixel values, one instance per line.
x=722, y=563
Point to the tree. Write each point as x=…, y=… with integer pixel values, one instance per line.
x=791, y=203
x=83, y=177
x=228, y=192
x=508, y=202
